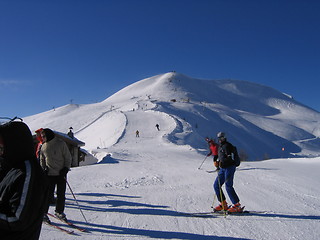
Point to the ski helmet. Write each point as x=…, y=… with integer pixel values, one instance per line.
x=221, y=135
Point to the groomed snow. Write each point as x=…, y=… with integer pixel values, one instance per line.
x=143, y=188
x=140, y=188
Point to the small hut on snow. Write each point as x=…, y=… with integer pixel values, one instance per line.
x=74, y=145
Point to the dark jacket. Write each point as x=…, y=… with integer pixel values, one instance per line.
x=224, y=154
x=23, y=189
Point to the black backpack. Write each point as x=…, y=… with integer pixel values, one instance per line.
x=235, y=156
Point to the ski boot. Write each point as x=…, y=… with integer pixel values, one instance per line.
x=236, y=208
x=46, y=219
x=223, y=206
x=61, y=216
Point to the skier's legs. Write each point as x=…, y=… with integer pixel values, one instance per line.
x=229, y=175
x=218, y=185
x=51, y=187
x=61, y=192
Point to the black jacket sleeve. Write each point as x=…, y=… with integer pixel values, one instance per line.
x=23, y=196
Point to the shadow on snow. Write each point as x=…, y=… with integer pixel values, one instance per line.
x=136, y=208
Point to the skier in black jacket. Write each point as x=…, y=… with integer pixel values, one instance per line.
x=226, y=176
x=23, y=187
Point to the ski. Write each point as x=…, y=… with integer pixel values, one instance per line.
x=69, y=223
x=245, y=212
x=211, y=213
x=60, y=228
x=211, y=171
x=227, y=212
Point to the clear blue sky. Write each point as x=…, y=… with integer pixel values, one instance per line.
x=82, y=51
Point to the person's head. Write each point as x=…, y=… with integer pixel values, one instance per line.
x=47, y=134
x=38, y=135
x=16, y=142
x=221, y=136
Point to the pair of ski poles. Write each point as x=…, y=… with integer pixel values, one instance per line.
x=214, y=198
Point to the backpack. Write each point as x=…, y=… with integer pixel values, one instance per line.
x=235, y=156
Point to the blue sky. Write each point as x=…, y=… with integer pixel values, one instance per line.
x=82, y=51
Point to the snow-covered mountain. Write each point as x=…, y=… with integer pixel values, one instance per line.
x=262, y=122
x=146, y=187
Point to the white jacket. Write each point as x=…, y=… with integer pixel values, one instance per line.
x=54, y=156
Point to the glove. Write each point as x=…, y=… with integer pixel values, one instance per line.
x=46, y=170
x=208, y=154
x=64, y=171
x=216, y=164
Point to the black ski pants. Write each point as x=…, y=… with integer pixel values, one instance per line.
x=60, y=183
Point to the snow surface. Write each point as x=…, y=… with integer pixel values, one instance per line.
x=141, y=188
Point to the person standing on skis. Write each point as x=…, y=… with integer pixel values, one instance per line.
x=213, y=147
x=226, y=176
x=55, y=160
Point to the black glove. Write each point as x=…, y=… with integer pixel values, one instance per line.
x=46, y=170
x=64, y=171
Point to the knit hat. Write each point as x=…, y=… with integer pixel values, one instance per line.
x=17, y=142
x=49, y=134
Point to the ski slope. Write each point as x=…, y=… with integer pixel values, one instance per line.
x=142, y=187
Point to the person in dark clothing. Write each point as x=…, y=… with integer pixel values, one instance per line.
x=23, y=185
x=226, y=175
x=158, y=127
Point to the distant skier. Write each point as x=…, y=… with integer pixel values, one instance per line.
x=226, y=175
x=137, y=133
x=213, y=147
x=158, y=127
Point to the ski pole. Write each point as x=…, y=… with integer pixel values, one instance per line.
x=213, y=202
x=220, y=189
x=76, y=201
x=202, y=162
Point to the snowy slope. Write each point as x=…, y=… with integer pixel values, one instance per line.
x=142, y=187
x=249, y=113
x=145, y=195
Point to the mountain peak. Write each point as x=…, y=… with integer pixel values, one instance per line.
x=259, y=120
